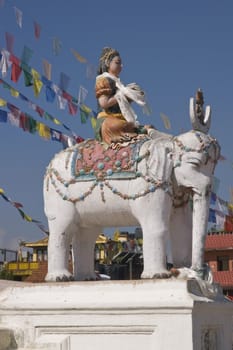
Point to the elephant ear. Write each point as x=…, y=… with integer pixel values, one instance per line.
x=160, y=161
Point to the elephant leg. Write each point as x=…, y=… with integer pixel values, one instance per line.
x=155, y=228
x=181, y=236
x=83, y=253
x=60, y=233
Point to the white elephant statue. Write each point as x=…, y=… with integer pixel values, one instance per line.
x=167, y=194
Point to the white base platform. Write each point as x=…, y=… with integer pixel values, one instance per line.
x=144, y=314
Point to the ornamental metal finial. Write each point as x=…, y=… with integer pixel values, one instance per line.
x=200, y=119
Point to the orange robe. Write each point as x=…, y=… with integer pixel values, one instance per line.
x=113, y=127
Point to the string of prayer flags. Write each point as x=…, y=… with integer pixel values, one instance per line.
x=57, y=45
x=37, y=30
x=24, y=216
x=9, y=42
x=166, y=121
x=80, y=58
x=19, y=17
x=36, y=108
x=28, y=124
x=33, y=78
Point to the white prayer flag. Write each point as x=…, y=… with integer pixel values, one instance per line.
x=19, y=17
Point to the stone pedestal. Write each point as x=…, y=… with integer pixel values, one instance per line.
x=143, y=314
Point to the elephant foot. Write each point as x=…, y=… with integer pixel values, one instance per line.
x=64, y=276
x=158, y=275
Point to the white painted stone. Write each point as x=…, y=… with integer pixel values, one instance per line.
x=78, y=211
x=150, y=314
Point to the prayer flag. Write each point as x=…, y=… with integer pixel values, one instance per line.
x=24, y=216
x=9, y=42
x=37, y=30
x=91, y=71
x=55, y=135
x=93, y=122
x=43, y=131
x=78, y=56
x=5, y=62
x=64, y=81
x=26, y=55
x=57, y=45
x=215, y=184
x=220, y=219
x=82, y=94
x=166, y=121
x=19, y=17
x=47, y=69
x=37, y=83
x=14, y=92
x=2, y=102
x=3, y=116
x=15, y=69
x=212, y=217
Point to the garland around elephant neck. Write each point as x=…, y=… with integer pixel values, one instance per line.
x=204, y=147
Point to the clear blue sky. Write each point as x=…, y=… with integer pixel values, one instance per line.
x=170, y=48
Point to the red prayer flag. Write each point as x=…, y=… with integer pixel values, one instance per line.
x=37, y=30
x=15, y=69
x=9, y=42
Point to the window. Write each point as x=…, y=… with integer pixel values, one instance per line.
x=223, y=263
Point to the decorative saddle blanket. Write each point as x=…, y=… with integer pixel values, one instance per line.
x=91, y=160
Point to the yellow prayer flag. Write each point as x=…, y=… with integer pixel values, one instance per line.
x=93, y=122
x=85, y=109
x=230, y=206
x=78, y=56
x=27, y=218
x=1, y=191
x=56, y=121
x=14, y=92
x=43, y=130
x=37, y=83
x=2, y=102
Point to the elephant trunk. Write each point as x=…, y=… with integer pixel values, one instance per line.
x=201, y=202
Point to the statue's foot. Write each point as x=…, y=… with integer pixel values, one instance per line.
x=86, y=277
x=158, y=275
x=59, y=276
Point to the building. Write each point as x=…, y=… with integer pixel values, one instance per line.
x=219, y=256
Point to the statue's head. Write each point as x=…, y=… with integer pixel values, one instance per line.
x=106, y=57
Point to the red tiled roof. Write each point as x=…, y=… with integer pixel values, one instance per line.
x=219, y=241
x=224, y=278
